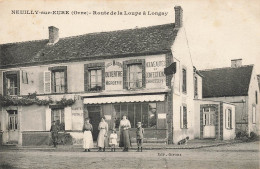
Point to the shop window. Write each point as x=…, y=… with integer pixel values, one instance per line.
x=195, y=87
x=228, y=118
x=13, y=120
x=11, y=83
x=95, y=80
x=134, y=76
x=183, y=117
x=184, y=80
x=55, y=80
x=137, y=112
x=94, y=77
x=57, y=115
x=254, y=114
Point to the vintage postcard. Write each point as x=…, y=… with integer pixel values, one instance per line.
x=129, y=84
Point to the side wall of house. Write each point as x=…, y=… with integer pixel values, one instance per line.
x=182, y=57
x=229, y=133
x=253, y=102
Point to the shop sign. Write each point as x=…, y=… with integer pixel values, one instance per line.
x=155, y=77
x=114, y=75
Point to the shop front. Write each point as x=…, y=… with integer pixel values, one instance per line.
x=149, y=109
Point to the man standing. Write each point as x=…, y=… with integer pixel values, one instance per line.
x=54, y=133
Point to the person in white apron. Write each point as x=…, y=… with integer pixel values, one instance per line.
x=102, y=141
x=87, y=136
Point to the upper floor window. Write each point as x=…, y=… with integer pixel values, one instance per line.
x=256, y=97
x=11, y=83
x=55, y=80
x=58, y=81
x=94, y=76
x=95, y=79
x=228, y=118
x=134, y=76
x=184, y=80
x=195, y=87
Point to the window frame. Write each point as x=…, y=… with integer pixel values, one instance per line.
x=5, y=81
x=183, y=117
x=256, y=97
x=125, y=73
x=53, y=70
x=87, y=69
x=14, y=115
x=134, y=123
x=228, y=119
x=254, y=114
x=61, y=116
x=195, y=87
x=128, y=81
x=184, y=80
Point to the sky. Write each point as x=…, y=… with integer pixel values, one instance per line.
x=217, y=30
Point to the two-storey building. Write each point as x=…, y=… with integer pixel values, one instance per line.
x=144, y=73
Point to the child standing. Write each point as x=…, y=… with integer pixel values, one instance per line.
x=139, y=136
x=113, y=140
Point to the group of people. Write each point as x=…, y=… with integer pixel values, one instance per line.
x=103, y=140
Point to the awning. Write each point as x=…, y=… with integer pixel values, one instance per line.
x=122, y=99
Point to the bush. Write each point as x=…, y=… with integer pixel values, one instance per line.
x=253, y=136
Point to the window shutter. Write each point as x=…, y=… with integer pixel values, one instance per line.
x=226, y=118
x=48, y=115
x=230, y=119
x=204, y=118
x=125, y=75
x=4, y=83
x=47, y=82
x=181, y=117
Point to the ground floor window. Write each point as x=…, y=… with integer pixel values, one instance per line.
x=183, y=117
x=254, y=114
x=58, y=115
x=228, y=119
x=137, y=112
x=13, y=120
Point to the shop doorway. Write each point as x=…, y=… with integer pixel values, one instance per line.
x=13, y=127
x=209, y=123
x=94, y=118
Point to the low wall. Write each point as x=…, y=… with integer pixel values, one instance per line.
x=35, y=138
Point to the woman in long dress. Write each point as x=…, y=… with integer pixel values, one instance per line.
x=102, y=141
x=124, y=133
x=87, y=136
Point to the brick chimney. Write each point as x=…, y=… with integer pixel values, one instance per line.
x=178, y=16
x=53, y=34
x=236, y=63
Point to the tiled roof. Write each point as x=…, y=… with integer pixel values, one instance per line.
x=95, y=45
x=226, y=81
